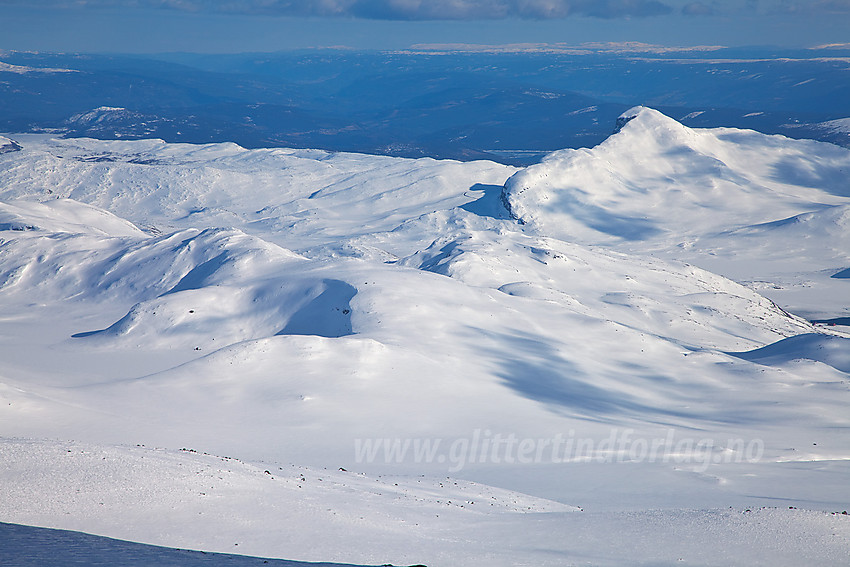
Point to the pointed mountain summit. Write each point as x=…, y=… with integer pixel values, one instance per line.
x=647, y=118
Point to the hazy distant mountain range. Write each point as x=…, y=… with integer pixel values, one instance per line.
x=464, y=102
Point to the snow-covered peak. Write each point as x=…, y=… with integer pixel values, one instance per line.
x=652, y=124
x=656, y=178
x=628, y=116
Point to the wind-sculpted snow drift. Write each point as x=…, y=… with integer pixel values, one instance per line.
x=290, y=305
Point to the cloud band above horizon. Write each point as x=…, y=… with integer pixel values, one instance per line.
x=419, y=10
x=392, y=9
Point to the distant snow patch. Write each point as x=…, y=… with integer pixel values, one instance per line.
x=99, y=115
x=840, y=126
x=22, y=70
x=583, y=110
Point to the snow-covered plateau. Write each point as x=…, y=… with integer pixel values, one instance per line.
x=635, y=354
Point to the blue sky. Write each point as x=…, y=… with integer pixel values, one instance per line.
x=150, y=26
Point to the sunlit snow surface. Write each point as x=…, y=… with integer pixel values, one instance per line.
x=270, y=311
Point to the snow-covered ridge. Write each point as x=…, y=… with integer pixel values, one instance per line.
x=322, y=196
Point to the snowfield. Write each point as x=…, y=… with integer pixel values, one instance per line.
x=335, y=357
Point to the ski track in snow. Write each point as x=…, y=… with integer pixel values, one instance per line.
x=282, y=306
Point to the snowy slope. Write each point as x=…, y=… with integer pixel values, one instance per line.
x=267, y=510
x=191, y=493
x=291, y=307
x=63, y=215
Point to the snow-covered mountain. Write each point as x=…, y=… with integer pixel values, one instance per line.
x=761, y=209
x=659, y=181
x=606, y=330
